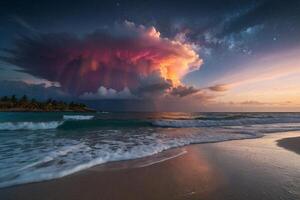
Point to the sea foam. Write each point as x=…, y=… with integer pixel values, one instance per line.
x=78, y=117
x=215, y=123
x=29, y=125
x=34, y=156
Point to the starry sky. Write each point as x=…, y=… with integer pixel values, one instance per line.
x=204, y=55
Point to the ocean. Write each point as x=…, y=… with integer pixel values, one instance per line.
x=44, y=146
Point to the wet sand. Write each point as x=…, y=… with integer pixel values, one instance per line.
x=292, y=144
x=242, y=169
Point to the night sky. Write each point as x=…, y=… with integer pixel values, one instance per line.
x=207, y=55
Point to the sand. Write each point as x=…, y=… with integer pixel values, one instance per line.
x=242, y=169
x=292, y=144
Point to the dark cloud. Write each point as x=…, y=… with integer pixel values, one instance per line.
x=183, y=91
x=219, y=88
x=153, y=85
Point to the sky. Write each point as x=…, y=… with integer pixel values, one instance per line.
x=204, y=55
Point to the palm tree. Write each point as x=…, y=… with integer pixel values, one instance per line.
x=13, y=98
x=49, y=101
x=5, y=98
x=24, y=99
x=49, y=105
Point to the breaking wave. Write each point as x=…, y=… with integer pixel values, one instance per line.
x=224, y=122
x=78, y=117
x=11, y=126
x=34, y=156
x=73, y=156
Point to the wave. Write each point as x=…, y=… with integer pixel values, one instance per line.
x=60, y=154
x=79, y=123
x=222, y=122
x=73, y=158
x=78, y=117
x=11, y=126
x=70, y=156
x=226, y=117
x=87, y=122
x=94, y=123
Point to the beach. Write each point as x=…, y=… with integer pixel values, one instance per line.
x=261, y=168
x=150, y=100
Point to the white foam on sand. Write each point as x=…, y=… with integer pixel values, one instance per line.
x=163, y=159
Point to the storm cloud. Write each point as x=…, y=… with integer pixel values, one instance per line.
x=123, y=56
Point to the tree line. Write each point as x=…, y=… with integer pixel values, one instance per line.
x=24, y=103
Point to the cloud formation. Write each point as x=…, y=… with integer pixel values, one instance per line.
x=219, y=88
x=124, y=56
x=108, y=93
x=153, y=85
x=182, y=90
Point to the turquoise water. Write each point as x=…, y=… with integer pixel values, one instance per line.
x=44, y=146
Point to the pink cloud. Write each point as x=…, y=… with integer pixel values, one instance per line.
x=113, y=58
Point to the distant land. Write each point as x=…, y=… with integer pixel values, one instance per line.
x=24, y=104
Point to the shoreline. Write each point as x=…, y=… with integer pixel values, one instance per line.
x=199, y=161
